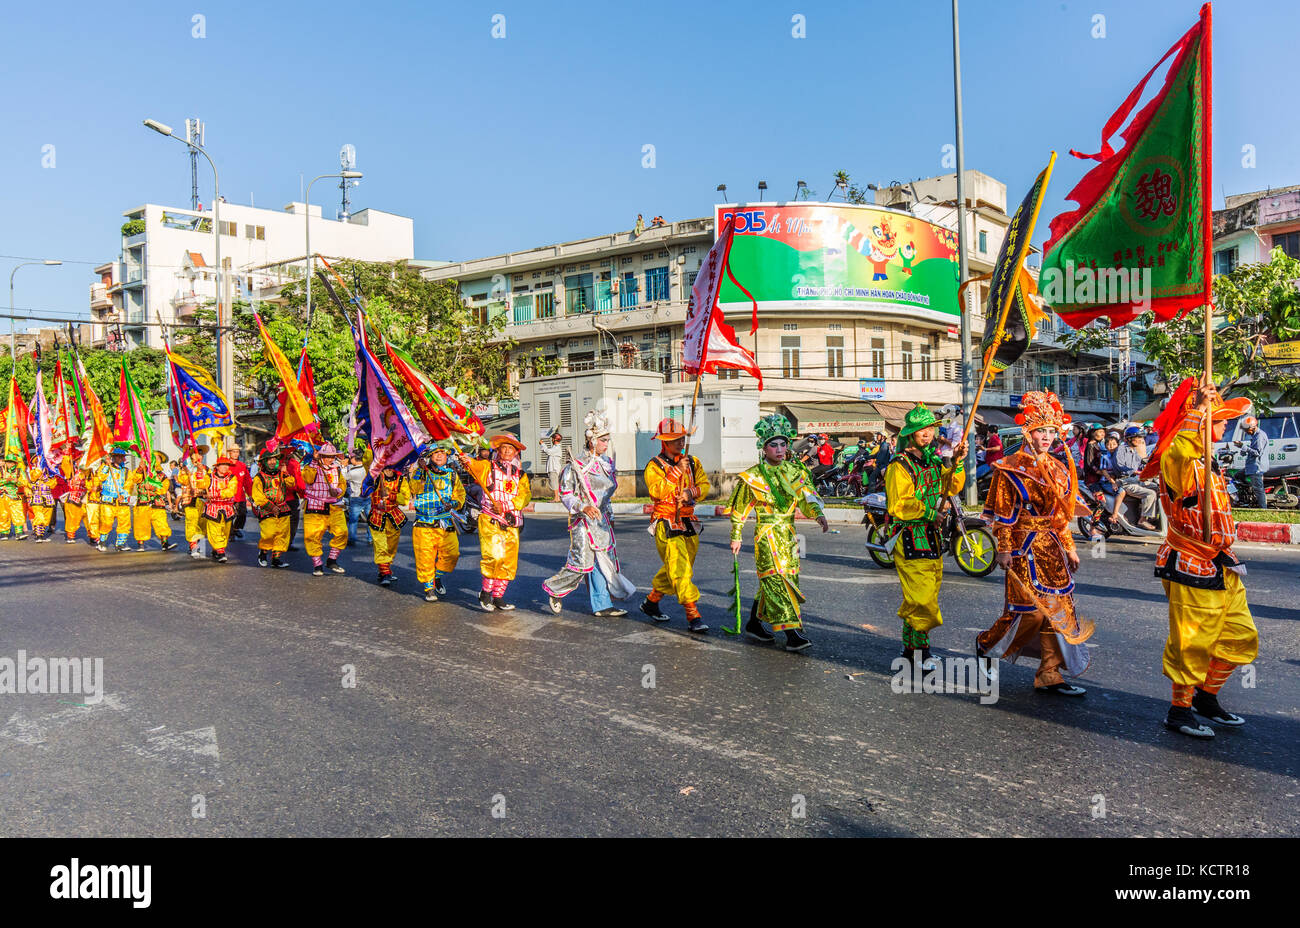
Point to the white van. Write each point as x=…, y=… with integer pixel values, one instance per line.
x=1282, y=426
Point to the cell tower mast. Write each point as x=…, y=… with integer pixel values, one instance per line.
x=347, y=162
x=194, y=135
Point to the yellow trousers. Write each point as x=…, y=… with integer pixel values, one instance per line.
x=316, y=524
x=76, y=513
x=274, y=534
x=498, y=549
x=110, y=513
x=385, y=543
x=41, y=516
x=436, y=551
x=1205, y=624
x=194, y=523
x=676, y=576
x=148, y=520
x=218, y=533
x=920, y=579
x=11, y=513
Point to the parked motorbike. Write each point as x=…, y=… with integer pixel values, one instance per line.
x=1103, y=520
x=1280, y=492
x=967, y=538
x=844, y=480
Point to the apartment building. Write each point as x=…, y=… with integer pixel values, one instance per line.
x=167, y=265
x=1251, y=225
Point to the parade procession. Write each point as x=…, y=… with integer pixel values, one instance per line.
x=906, y=509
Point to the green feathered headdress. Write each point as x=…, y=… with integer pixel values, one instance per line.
x=773, y=426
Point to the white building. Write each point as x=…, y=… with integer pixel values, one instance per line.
x=168, y=259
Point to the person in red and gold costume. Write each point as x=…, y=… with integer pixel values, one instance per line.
x=219, y=506
x=505, y=494
x=675, y=481
x=391, y=492
x=270, y=491
x=193, y=481
x=1032, y=500
x=77, y=508
x=1211, y=631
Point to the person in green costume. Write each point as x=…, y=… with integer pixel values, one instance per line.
x=775, y=488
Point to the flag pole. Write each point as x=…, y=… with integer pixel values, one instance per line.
x=1207, y=224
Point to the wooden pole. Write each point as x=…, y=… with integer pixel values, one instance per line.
x=1207, y=427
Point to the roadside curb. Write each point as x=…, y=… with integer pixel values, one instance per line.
x=1273, y=533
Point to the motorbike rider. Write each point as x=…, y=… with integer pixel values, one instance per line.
x=1256, y=445
x=1127, y=461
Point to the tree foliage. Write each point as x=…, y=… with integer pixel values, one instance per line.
x=1255, y=305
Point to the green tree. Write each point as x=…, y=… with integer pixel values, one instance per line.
x=1257, y=304
x=103, y=369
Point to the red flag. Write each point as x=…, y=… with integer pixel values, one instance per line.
x=420, y=388
x=16, y=419
x=710, y=343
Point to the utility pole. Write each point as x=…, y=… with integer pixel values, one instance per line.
x=967, y=368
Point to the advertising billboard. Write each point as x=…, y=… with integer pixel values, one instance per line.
x=841, y=256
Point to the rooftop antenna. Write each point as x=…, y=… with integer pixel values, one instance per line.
x=347, y=162
x=194, y=135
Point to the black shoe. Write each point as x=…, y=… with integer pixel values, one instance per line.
x=485, y=601
x=795, y=641
x=754, y=629
x=502, y=605
x=168, y=545
x=385, y=579
x=238, y=534
x=555, y=604
x=1061, y=689
x=261, y=559
x=334, y=568
x=652, y=609
x=220, y=557
x=612, y=612
x=276, y=562
x=1207, y=705
x=430, y=595
x=1181, y=720
x=317, y=571
x=697, y=625
x=439, y=588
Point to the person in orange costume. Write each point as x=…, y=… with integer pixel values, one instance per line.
x=505, y=494
x=675, y=481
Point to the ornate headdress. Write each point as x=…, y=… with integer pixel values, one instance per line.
x=595, y=425
x=773, y=426
x=1040, y=409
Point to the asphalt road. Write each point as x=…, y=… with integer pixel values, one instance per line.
x=226, y=712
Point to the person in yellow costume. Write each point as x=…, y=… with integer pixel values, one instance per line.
x=220, y=500
x=43, y=486
x=193, y=481
x=325, y=509
x=437, y=496
x=114, y=501
x=77, y=507
x=916, y=484
x=270, y=489
x=1211, y=631
x=505, y=494
x=14, y=488
x=675, y=480
x=153, y=501
x=391, y=492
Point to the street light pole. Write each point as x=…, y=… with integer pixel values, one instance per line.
x=225, y=345
x=967, y=372
x=346, y=175
x=13, y=341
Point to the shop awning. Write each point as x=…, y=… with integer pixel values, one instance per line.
x=994, y=417
x=835, y=418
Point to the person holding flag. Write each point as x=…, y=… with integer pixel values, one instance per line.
x=505, y=494
x=193, y=480
x=916, y=483
x=114, y=500
x=77, y=507
x=326, y=510
x=1211, y=631
x=392, y=491
x=270, y=491
x=774, y=489
x=437, y=496
x=149, y=485
x=14, y=490
x=45, y=489
x=675, y=481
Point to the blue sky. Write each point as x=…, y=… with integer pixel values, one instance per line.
x=492, y=145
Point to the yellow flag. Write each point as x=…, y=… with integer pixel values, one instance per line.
x=297, y=411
